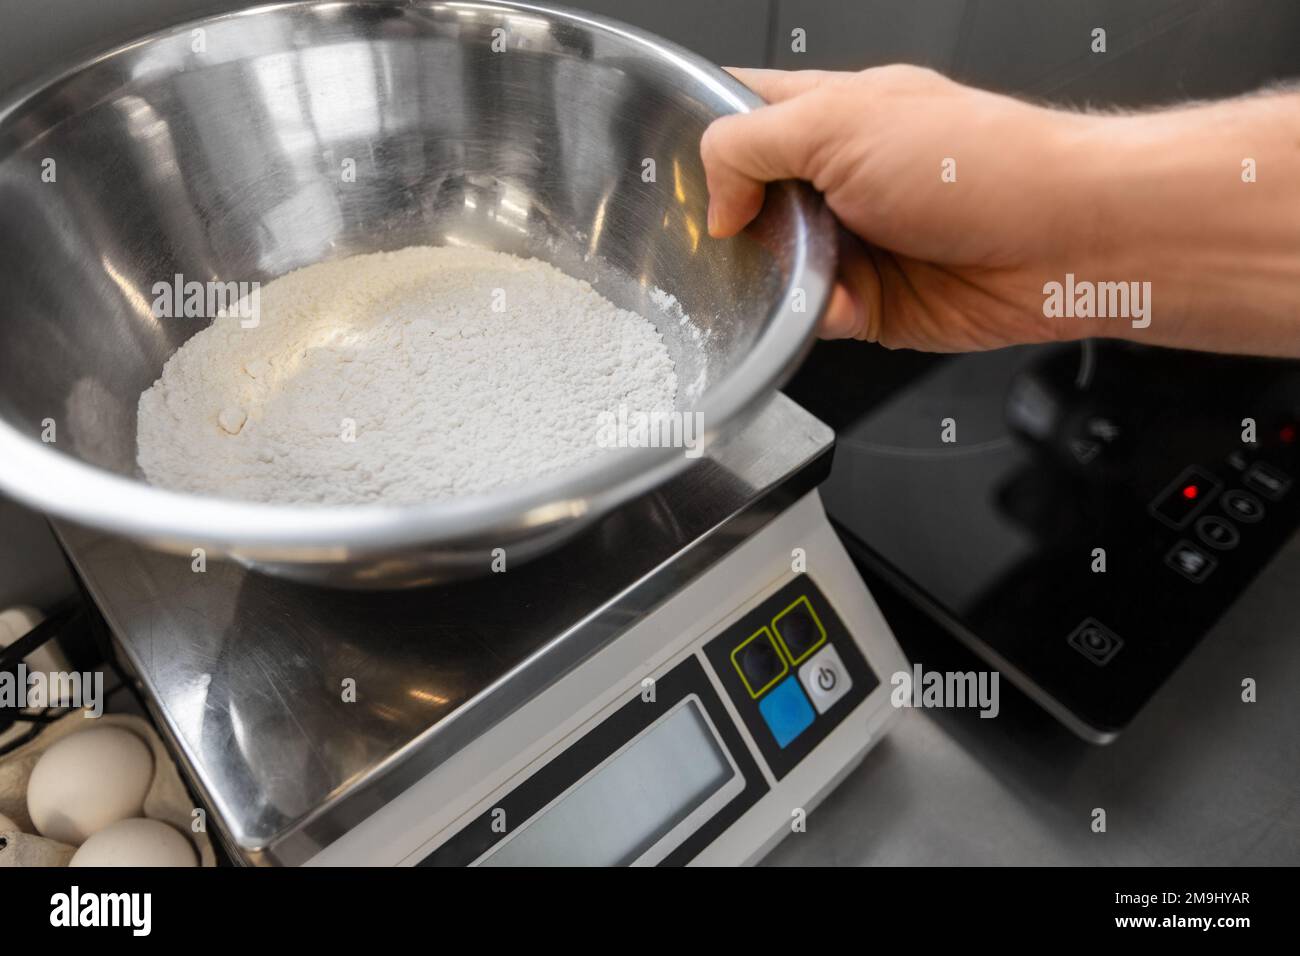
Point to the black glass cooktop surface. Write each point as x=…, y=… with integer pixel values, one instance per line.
x=1080, y=515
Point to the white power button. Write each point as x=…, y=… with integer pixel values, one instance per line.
x=824, y=678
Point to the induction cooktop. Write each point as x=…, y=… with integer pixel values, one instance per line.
x=1078, y=515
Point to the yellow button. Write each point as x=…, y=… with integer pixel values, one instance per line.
x=758, y=662
x=799, y=630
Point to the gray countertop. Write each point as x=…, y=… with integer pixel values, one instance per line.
x=1200, y=777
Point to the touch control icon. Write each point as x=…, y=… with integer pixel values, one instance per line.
x=824, y=678
x=1095, y=641
x=1218, y=533
x=1190, y=561
x=1268, y=481
x=1243, y=506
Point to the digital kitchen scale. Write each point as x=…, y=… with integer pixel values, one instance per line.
x=681, y=683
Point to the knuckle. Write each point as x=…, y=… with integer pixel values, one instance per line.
x=898, y=77
x=712, y=142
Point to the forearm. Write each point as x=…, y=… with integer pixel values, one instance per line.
x=1168, y=198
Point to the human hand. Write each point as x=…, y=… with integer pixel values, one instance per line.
x=932, y=264
x=961, y=261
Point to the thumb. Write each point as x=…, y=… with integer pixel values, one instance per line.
x=777, y=85
x=745, y=151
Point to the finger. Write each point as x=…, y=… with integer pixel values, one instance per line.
x=775, y=86
x=745, y=151
x=841, y=318
x=854, y=311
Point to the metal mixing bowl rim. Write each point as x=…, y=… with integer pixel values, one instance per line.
x=62, y=485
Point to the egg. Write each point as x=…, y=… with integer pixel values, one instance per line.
x=16, y=622
x=135, y=842
x=88, y=780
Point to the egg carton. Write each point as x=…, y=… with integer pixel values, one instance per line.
x=167, y=799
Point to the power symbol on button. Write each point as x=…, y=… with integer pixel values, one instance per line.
x=824, y=678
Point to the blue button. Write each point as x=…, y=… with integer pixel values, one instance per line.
x=786, y=710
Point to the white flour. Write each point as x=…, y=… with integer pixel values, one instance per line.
x=447, y=396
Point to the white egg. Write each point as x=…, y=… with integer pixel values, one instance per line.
x=7, y=825
x=136, y=842
x=17, y=621
x=88, y=780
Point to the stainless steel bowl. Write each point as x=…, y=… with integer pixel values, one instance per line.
x=214, y=150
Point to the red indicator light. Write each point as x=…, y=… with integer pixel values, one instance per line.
x=1190, y=492
x=1287, y=434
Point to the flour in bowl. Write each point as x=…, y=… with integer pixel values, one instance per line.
x=393, y=377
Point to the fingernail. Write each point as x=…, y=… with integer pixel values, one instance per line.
x=713, y=219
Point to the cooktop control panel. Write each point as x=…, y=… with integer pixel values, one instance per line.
x=1211, y=513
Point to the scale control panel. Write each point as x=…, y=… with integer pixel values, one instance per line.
x=661, y=776
x=792, y=672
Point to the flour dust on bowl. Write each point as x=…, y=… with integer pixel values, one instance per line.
x=147, y=190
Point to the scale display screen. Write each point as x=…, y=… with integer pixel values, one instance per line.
x=632, y=801
x=651, y=782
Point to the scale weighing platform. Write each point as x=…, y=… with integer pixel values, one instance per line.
x=677, y=684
